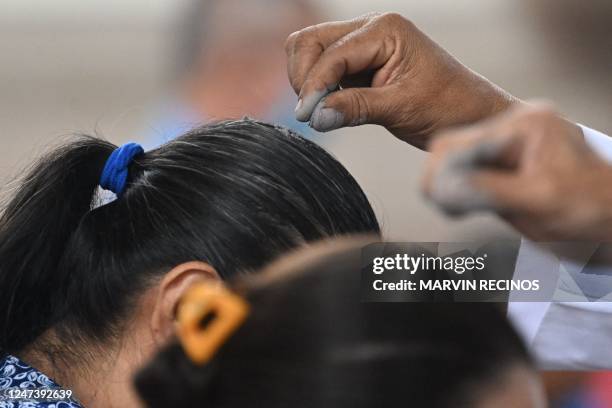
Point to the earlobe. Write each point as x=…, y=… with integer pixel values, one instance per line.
x=171, y=290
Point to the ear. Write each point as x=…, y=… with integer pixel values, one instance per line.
x=170, y=292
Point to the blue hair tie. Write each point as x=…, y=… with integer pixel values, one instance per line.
x=115, y=173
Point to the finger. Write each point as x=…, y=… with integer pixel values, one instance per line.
x=359, y=51
x=304, y=47
x=350, y=107
x=448, y=155
x=448, y=180
x=460, y=150
x=503, y=192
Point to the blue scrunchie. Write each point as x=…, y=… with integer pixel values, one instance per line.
x=115, y=173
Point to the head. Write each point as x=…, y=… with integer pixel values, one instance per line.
x=216, y=39
x=219, y=201
x=309, y=341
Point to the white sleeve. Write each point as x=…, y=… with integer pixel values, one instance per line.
x=561, y=334
x=600, y=143
x=565, y=335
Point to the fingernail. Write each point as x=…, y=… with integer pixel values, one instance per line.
x=304, y=110
x=324, y=119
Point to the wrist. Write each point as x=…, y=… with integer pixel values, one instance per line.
x=473, y=98
x=463, y=98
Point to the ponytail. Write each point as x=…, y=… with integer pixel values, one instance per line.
x=34, y=228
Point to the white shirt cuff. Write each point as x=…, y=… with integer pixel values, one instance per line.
x=599, y=142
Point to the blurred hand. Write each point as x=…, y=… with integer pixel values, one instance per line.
x=380, y=69
x=530, y=166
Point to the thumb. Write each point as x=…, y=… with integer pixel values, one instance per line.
x=469, y=180
x=349, y=107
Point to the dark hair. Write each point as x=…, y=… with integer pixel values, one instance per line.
x=234, y=194
x=310, y=342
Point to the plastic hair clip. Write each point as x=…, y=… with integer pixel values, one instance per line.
x=208, y=315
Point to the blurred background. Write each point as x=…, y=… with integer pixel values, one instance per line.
x=146, y=70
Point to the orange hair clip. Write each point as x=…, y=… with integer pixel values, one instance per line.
x=228, y=309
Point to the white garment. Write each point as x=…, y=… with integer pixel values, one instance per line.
x=563, y=334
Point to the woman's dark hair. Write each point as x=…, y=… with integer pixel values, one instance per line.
x=234, y=194
x=309, y=341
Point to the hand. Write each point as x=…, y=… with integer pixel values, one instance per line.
x=530, y=166
x=380, y=69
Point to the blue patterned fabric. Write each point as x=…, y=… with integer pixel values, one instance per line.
x=14, y=373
